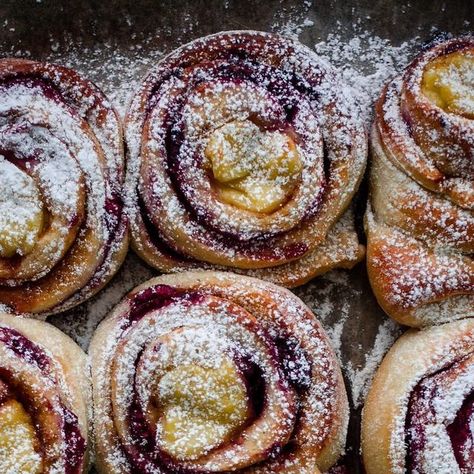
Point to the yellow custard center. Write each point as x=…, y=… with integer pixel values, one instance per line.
x=202, y=408
x=18, y=440
x=253, y=169
x=21, y=214
x=448, y=82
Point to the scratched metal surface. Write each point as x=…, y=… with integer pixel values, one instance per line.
x=35, y=26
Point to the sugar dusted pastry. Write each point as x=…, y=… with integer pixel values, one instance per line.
x=44, y=395
x=420, y=222
x=63, y=234
x=215, y=372
x=419, y=411
x=245, y=150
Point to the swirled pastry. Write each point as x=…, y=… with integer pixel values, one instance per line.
x=62, y=230
x=245, y=150
x=44, y=392
x=419, y=412
x=215, y=372
x=420, y=223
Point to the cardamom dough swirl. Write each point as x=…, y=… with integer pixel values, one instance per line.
x=418, y=417
x=44, y=398
x=63, y=232
x=244, y=151
x=215, y=372
x=420, y=222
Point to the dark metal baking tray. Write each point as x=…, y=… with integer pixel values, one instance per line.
x=134, y=30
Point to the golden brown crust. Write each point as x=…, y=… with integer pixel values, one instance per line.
x=62, y=134
x=66, y=378
x=180, y=226
x=445, y=167
x=316, y=438
x=417, y=355
x=420, y=221
x=341, y=249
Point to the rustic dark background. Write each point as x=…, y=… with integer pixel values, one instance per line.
x=39, y=26
x=31, y=23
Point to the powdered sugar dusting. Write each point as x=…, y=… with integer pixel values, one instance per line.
x=366, y=61
x=422, y=191
x=20, y=207
x=119, y=72
x=336, y=300
x=361, y=378
x=51, y=137
x=185, y=317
